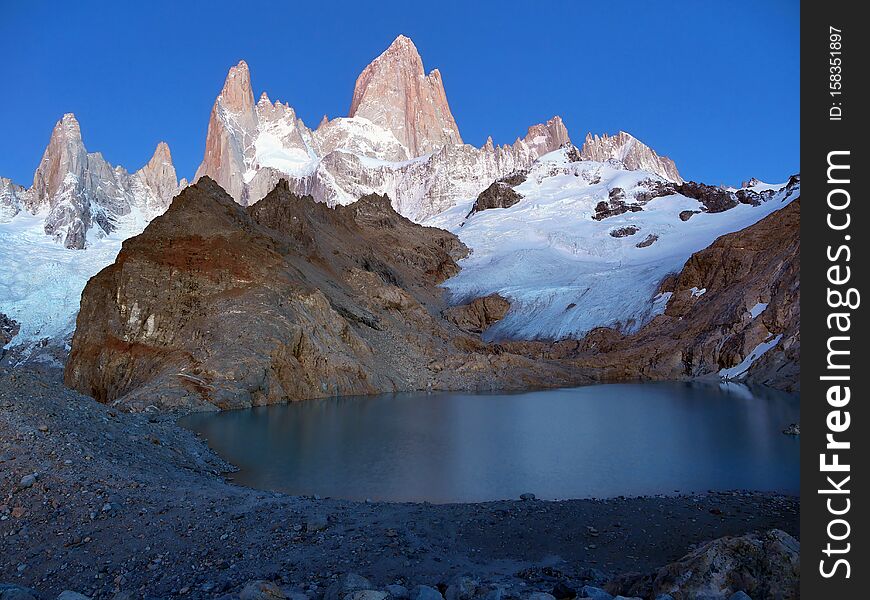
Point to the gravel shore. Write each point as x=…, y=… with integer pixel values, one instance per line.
x=104, y=502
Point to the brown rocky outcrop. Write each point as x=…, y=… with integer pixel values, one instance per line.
x=615, y=205
x=217, y=305
x=396, y=93
x=479, y=314
x=497, y=195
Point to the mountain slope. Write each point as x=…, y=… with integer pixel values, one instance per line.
x=215, y=305
x=588, y=244
x=733, y=311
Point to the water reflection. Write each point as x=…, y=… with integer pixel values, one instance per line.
x=596, y=441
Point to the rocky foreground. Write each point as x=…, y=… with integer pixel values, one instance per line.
x=117, y=505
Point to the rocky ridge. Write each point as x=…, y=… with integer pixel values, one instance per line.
x=399, y=139
x=630, y=151
x=344, y=301
x=82, y=194
x=216, y=305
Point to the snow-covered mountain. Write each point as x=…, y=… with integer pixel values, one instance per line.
x=81, y=196
x=399, y=139
x=585, y=244
x=585, y=238
x=68, y=225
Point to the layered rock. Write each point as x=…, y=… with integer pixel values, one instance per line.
x=216, y=305
x=81, y=192
x=630, y=151
x=395, y=93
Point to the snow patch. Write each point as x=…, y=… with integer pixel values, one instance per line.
x=739, y=371
x=757, y=309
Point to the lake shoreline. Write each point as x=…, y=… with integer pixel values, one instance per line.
x=136, y=503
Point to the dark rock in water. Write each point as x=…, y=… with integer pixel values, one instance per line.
x=793, y=429
x=685, y=215
x=527, y=496
x=624, y=231
x=497, y=195
x=479, y=314
x=648, y=241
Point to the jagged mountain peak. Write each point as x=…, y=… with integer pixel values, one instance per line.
x=545, y=137
x=629, y=150
x=395, y=93
x=237, y=94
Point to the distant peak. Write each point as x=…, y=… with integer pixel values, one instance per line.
x=237, y=94
x=403, y=41
x=162, y=152
x=395, y=93
x=632, y=152
x=68, y=128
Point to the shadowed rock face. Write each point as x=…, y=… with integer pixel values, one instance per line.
x=216, y=305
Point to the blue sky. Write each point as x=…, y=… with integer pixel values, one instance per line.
x=714, y=85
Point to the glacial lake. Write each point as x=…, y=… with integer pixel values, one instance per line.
x=596, y=441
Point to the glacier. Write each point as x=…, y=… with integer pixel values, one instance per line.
x=563, y=272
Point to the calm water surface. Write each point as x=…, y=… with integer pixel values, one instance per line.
x=595, y=441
